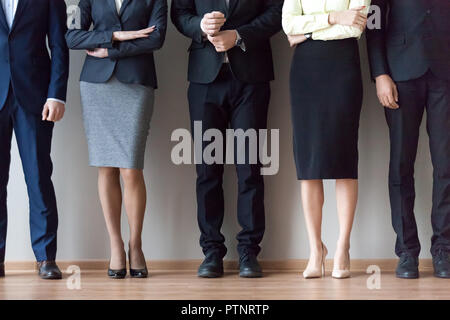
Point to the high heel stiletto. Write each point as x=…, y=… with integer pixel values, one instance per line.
x=342, y=274
x=137, y=273
x=317, y=272
x=117, y=274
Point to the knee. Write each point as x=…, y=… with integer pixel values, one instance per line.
x=131, y=176
x=108, y=172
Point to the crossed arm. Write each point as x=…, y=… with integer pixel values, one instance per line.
x=119, y=44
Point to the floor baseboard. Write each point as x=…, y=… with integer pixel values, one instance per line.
x=292, y=265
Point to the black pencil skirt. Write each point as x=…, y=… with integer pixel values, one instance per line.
x=326, y=97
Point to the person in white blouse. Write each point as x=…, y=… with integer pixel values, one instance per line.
x=326, y=95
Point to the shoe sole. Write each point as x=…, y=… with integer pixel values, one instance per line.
x=414, y=276
x=49, y=277
x=441, y=276
x=210, y=275
x=250, y=275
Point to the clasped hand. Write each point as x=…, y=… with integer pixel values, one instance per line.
x=222, y=40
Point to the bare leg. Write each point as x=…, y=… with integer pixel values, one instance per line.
x=110, y=194
x=347, y=198
x=135, y=199
x=313, y=199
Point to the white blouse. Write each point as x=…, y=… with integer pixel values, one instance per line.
x=119, y=4
x=305, y=16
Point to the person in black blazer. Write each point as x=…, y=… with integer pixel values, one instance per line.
x=410, y=61
x=230, y=67
x=32, y=97
x=117, y=92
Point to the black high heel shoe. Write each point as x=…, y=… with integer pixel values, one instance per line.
x=137, y=273
x=117, y=274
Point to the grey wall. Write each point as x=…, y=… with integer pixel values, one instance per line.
x=170, y=227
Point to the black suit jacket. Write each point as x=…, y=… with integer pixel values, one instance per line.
x=414, y=38
x=255, y=20
x=130, y=61
x=24, y=59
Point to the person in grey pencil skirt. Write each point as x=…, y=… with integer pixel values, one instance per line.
x=117, y=94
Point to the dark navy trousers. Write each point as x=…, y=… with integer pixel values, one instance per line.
x=415, y=96
x=34, y=138
x=230, y=103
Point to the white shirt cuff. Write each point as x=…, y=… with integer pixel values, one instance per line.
x=57, y=100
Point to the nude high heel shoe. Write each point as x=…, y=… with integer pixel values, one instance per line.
x=317, y=272
x=342, y=274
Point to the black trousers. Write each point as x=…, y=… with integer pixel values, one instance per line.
x=415, y=96
x=229, y=103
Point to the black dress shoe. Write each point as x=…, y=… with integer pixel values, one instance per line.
x=137, y=273
x=212, y=267
x=249, y=267
x=441, y=264
x=48, y=270
x=2, y=270
x=408, y=267
x=117, y=274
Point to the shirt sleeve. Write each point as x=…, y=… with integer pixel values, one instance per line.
x=295, y=22
x=337, y=31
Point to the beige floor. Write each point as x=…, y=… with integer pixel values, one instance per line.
x=185, y=285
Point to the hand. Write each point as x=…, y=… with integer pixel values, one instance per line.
x=224, y=40
x=212, y=23
x=297, y=39
x=353, y=17
x=132, y=35
x=387, y=92
x=53, y=111
x=98, y=53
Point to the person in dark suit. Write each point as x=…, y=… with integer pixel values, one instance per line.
x=117, y=94
x=32, y=97
x=230, y=68
x=410, y=61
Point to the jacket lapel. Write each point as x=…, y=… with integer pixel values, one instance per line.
x=3, y=18
x=124, y=6
x=233, y=5
x=112, y=4
x=21, y=6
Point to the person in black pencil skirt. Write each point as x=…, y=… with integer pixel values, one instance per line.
x=326, y=94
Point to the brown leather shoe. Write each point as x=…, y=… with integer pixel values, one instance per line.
x=48, y=270
x=2, y=270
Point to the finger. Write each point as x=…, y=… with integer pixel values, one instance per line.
x=51, y=114
x=391, y=101
x=216, y=14
x=396, y=94
x=45, y=113
x=358, y=8
x=147, y=30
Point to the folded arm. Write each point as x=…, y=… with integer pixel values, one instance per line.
x=295, y=22
x=154, y=41
x=80, y=38
x=337, y=31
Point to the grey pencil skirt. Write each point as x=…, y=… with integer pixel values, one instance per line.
x=116, y=118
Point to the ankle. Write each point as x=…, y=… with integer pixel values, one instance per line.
x=343, y=245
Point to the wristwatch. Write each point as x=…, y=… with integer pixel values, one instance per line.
x=238, y=40
x=308, y=36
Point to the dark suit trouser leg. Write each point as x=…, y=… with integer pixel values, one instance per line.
x=34, y=138
x=6, y=131
x=404, y=126
x=217, y=105
x=207, y=104
x=250, y=107
x=438, y=125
